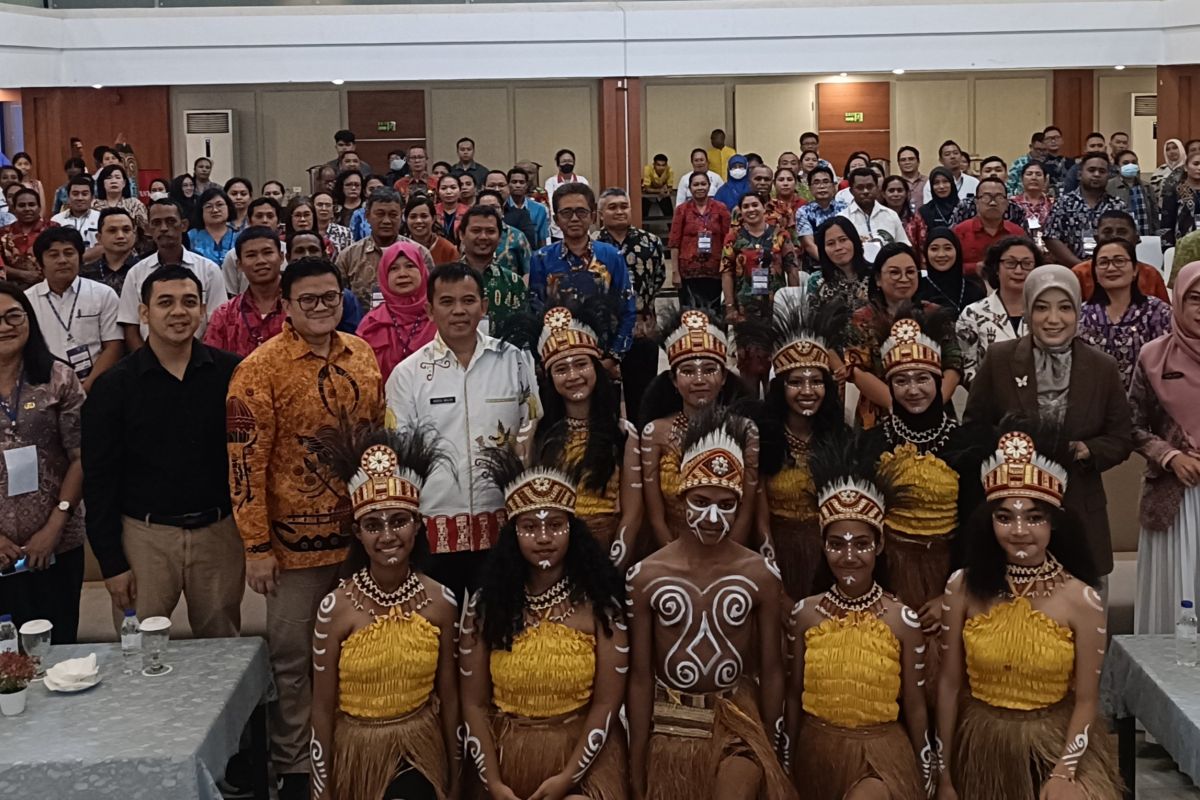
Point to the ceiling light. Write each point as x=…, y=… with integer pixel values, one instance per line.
x=897, y=71
x=1119, y=67
x=337, y=82
x=842, y=74
x=97, y=85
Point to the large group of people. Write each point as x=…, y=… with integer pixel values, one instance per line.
x=503, y=555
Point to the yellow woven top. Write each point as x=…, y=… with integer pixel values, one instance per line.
x=926, y=501
x=668, y=473
x=587, y=502
x=548, y=672
x=852, y=671
x=792, y=493
x=1017, y=657
x=387, y=669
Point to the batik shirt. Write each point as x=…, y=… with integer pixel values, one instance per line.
x=1072, y=219
x=557, y=274
x=643, y=252
x=1123, y=340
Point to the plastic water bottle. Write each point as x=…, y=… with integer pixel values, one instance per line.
x=8, y=634
x=1185, y=636
x=131, y=642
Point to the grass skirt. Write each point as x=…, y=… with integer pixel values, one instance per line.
x=369, y=754
x=799, y=554
x=688, y=744
x=917, y=571
x=830, y=760
x=532, y=750
x=1001, y=754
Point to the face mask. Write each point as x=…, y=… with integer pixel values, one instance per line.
x=737, y=173
x=396, y=164
x=157, y=195
x=566, y=169
x=1130, y=170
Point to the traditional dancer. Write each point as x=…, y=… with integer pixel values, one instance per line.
x=385, y=697
x=543, y=650
x=803, y=403
x=702, y=607
x=583, y=432
x=921, y=451
x=1026, y=627
x=858, y=656
x=698, y=378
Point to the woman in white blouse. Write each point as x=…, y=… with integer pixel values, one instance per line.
x=999, y=316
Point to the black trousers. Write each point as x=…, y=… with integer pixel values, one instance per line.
x=665, y=204
x=51, y=594
x=461, y=573
x=638, y=368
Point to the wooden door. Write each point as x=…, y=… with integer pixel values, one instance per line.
x=854, y=116
x=385, y=120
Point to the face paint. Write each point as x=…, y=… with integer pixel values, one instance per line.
x=712, y=514
x=544, y=564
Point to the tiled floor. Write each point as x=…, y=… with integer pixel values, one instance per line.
x=1158, y=778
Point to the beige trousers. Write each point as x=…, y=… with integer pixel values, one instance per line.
x=291, y=614
x=205, y=565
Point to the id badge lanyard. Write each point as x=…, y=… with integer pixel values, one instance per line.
x=66, y=326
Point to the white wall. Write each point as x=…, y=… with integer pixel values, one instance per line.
x=502, y=40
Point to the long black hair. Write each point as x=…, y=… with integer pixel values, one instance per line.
x=36, y=358
x=829, y=270
x=501, y=598
x=985, y=559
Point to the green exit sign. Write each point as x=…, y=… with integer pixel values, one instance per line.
x=854, y=116
x=385, y=126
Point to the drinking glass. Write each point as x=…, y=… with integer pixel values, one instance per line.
x=156, y=632
x=35, y=640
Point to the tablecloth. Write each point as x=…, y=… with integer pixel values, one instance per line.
x=134, y=737
x=1142, y=680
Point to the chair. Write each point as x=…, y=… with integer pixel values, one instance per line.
x=1150, y=251
x=1168, y=263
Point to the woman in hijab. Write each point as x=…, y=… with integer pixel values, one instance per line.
x=732, y=190
x=400, y=324
x=1049, y=373
x=1173, y=157
x=944, y=283
x=938, y=212
x=1166, y=428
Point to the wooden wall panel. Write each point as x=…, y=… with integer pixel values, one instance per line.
x=367, y=109
x=1074, y=110
x=97, y=116
x=840, y=138
x=621, y=139
x=1178, y=103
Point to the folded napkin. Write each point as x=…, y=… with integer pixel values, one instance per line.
x=74, y=672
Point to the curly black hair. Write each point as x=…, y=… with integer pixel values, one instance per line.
x=594, y=579
x=771, y=413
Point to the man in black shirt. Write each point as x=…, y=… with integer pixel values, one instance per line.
x=155, y=468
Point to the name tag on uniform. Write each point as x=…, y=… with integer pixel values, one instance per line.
x=759, y=281
x=80, y=360
x=441, y=401
x=704, y=242
x=22, y=466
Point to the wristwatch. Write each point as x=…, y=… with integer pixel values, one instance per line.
x=64, y=506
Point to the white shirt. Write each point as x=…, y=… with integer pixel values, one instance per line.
x=211, y=280
x=552, y=183
x=236, y=281
x=486, y=403
x=77, y=324
x=882, y=226
x=88, y=225
x=967, y=184
x=683, y=193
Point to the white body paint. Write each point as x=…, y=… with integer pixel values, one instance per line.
x=703, y=641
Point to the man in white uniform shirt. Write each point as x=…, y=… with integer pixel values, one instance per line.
x=683, y=192
x=876, y=224
x=565, y=159
x=478, y=392
x=78, y=316
x=80, y=215
x=167, y=227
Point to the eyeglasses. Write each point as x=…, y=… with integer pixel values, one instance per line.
x=1026, y=264
x=214, y=206
x=990, y=199
x=308, y=302
x=1120, y=262
x=574, y=213
x=14, y=318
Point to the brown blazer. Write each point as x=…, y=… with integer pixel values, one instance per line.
x=1097, y=414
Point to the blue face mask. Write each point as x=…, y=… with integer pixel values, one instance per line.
x=1130, y=170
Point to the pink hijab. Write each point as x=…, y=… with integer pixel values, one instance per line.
x=400, y=325
x=1178, y=354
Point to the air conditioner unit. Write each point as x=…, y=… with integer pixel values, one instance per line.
x=209, y=134
x=1143, y=130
